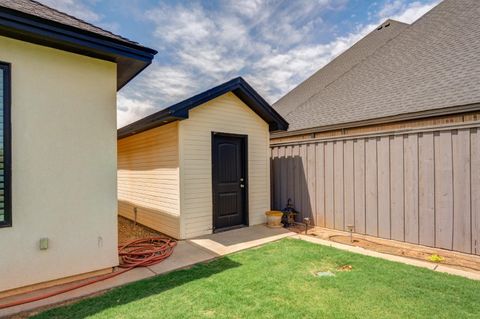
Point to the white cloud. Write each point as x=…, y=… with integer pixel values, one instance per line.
x=129, y=110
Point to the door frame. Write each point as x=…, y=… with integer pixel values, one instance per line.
x=246, y=214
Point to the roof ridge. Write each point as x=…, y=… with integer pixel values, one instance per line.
x=83, y=21
x=354, y=66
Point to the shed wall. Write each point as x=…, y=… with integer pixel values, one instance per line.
x=226, y=114
x=148, y=179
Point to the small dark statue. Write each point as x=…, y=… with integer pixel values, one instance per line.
x=289, y=213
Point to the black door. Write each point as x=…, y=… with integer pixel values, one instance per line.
x=229, y=159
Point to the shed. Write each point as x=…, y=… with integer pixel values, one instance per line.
x=201, y=165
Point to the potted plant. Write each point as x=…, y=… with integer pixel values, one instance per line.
x=274, y=218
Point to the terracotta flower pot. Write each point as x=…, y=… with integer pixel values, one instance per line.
x=274, y=218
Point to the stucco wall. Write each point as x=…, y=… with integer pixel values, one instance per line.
x=64, y=165
x=148, y=178
x=227, y=114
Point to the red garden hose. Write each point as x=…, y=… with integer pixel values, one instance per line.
x=138, y=253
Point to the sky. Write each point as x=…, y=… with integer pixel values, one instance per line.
x=273, y=44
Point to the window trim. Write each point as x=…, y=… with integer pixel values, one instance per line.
x=7, y=144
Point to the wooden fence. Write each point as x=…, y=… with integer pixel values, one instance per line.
x=418, y=186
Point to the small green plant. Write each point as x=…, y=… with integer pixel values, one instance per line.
x=436, y=258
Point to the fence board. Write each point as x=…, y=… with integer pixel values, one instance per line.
x=475, y=190
x=349, y=195
x=426, y=190
x=329, y=185
x=311, y=181
x=443, y=190
x=397, y=214
x=320, y=183
x=411, y=188
x=338, y=184
x=383, y=157
x=461, y=186
x=371, y=187
x=359, y=164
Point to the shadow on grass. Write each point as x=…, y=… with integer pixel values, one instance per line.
x=139, y=290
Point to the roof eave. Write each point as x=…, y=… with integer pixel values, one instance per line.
x=179, y=111
x=130, y=58
x=383, y=120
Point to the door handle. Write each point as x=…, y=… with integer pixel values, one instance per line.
x=242, y=186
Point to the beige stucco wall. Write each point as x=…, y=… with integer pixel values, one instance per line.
x=227, y=114
x=64, y=165
x=148, y=178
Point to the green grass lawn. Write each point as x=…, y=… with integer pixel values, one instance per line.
x=276, y=281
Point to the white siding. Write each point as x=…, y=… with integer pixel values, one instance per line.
x=148, y=178
x=226, y=114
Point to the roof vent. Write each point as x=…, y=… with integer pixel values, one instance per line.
x=387, y=24
x=380, y=28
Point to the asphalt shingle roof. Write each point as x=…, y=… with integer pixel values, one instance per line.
x=338, y=66
x=432, y=64
x=42, y=11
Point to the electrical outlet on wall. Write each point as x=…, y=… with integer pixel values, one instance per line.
x=43, y=243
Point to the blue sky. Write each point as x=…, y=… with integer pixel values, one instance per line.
x=273, y=44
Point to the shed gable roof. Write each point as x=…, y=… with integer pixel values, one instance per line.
x=179, y=111
x=432, y=65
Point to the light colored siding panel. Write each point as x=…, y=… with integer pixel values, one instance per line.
x=338, y=186
x=383, y=155
x=371, y=187
x=426, y=177
x=396, y=188
x=359, y=163
x=349, y=184
x=148, y=179
x=443, y=190
x=195, y=144
x=329, y=185
x=320, y=183
x=461, y=191
x=411, y=188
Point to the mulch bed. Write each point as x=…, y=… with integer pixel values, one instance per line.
x=128, y=231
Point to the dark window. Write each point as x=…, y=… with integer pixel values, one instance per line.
x=5, y=202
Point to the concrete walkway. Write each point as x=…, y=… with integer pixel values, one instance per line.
x=186, y=254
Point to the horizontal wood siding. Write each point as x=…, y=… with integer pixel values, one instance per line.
x=421, y=187
x=226, y=114
x=148, y=179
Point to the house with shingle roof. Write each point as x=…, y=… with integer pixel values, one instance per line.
x=59, y=77
x=384, y=139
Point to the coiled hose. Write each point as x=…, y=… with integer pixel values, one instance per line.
x=137, y=253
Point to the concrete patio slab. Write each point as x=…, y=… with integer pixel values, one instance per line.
x=239, y=239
